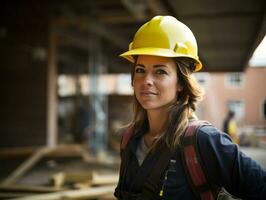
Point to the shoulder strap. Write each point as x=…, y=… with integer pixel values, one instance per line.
x=126, y=136
x=150, y=185
x=191, y=160
x=193, y=164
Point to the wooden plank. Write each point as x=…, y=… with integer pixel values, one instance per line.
x=58, y=179
x=8, y=195
x=104, y=179
x=17, y=151
x=64, y=150
x=27, y=188
x=82, y=185
x=68, y=150
x=61, y=178
x=84, y=178
x=88, y=193
x=26, y=166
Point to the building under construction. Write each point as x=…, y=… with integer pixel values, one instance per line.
x=65, y=92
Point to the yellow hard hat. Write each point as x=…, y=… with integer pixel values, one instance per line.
x=164, y=36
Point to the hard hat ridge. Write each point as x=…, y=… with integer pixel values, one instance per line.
x=164, y=36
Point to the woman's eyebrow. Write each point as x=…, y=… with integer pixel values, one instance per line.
x=139, y=65
x=156, y=66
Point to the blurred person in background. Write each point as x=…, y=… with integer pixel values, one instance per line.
x=153, y=163
x=230, y=126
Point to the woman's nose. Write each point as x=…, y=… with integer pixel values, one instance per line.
x=148, y=79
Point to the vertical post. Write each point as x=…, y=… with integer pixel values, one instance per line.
x=52, y=91
x=98, y=100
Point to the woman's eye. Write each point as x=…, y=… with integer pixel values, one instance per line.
x=139, y=70
x=161, y=71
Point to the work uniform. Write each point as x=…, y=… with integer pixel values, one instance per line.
x=226, y=166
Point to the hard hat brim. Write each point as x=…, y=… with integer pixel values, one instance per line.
x=157, y=52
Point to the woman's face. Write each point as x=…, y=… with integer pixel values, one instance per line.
x=155, y=81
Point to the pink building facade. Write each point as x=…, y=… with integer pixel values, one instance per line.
x=244, y=93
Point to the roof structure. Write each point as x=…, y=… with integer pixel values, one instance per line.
x=227, y=31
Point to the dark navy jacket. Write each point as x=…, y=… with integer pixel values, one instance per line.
x=226, y=166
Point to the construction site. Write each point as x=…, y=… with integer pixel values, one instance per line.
x=66, y=93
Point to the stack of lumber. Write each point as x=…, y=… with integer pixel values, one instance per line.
x=86, y=193
x=84, y=186
x=70, y=185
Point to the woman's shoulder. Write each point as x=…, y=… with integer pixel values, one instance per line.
x=209, y=134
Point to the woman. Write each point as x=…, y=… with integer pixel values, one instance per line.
x=164, y=53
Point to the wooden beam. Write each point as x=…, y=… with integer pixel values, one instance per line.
x=9, y=195
x=86, y=178
x=72, y=38
x=27, y=188
x=26, y=166
x=63, y=150
x=17, y=151
x=86, y=24
x=59, y=151
x=51, y=119
x=137, y=8
x=104, y=179
x=157, y=7
x=116, y=18
x=87, y=193
x=67, y=150
x=61, y=178
x=100, y=29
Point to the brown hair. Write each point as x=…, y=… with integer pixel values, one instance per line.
x=180, y=111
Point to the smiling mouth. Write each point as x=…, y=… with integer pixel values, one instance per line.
x=148, y=93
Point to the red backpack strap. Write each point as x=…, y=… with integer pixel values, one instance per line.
x=126, y=136
x=193, y=164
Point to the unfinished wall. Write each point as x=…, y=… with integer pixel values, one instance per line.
x=23, y=73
